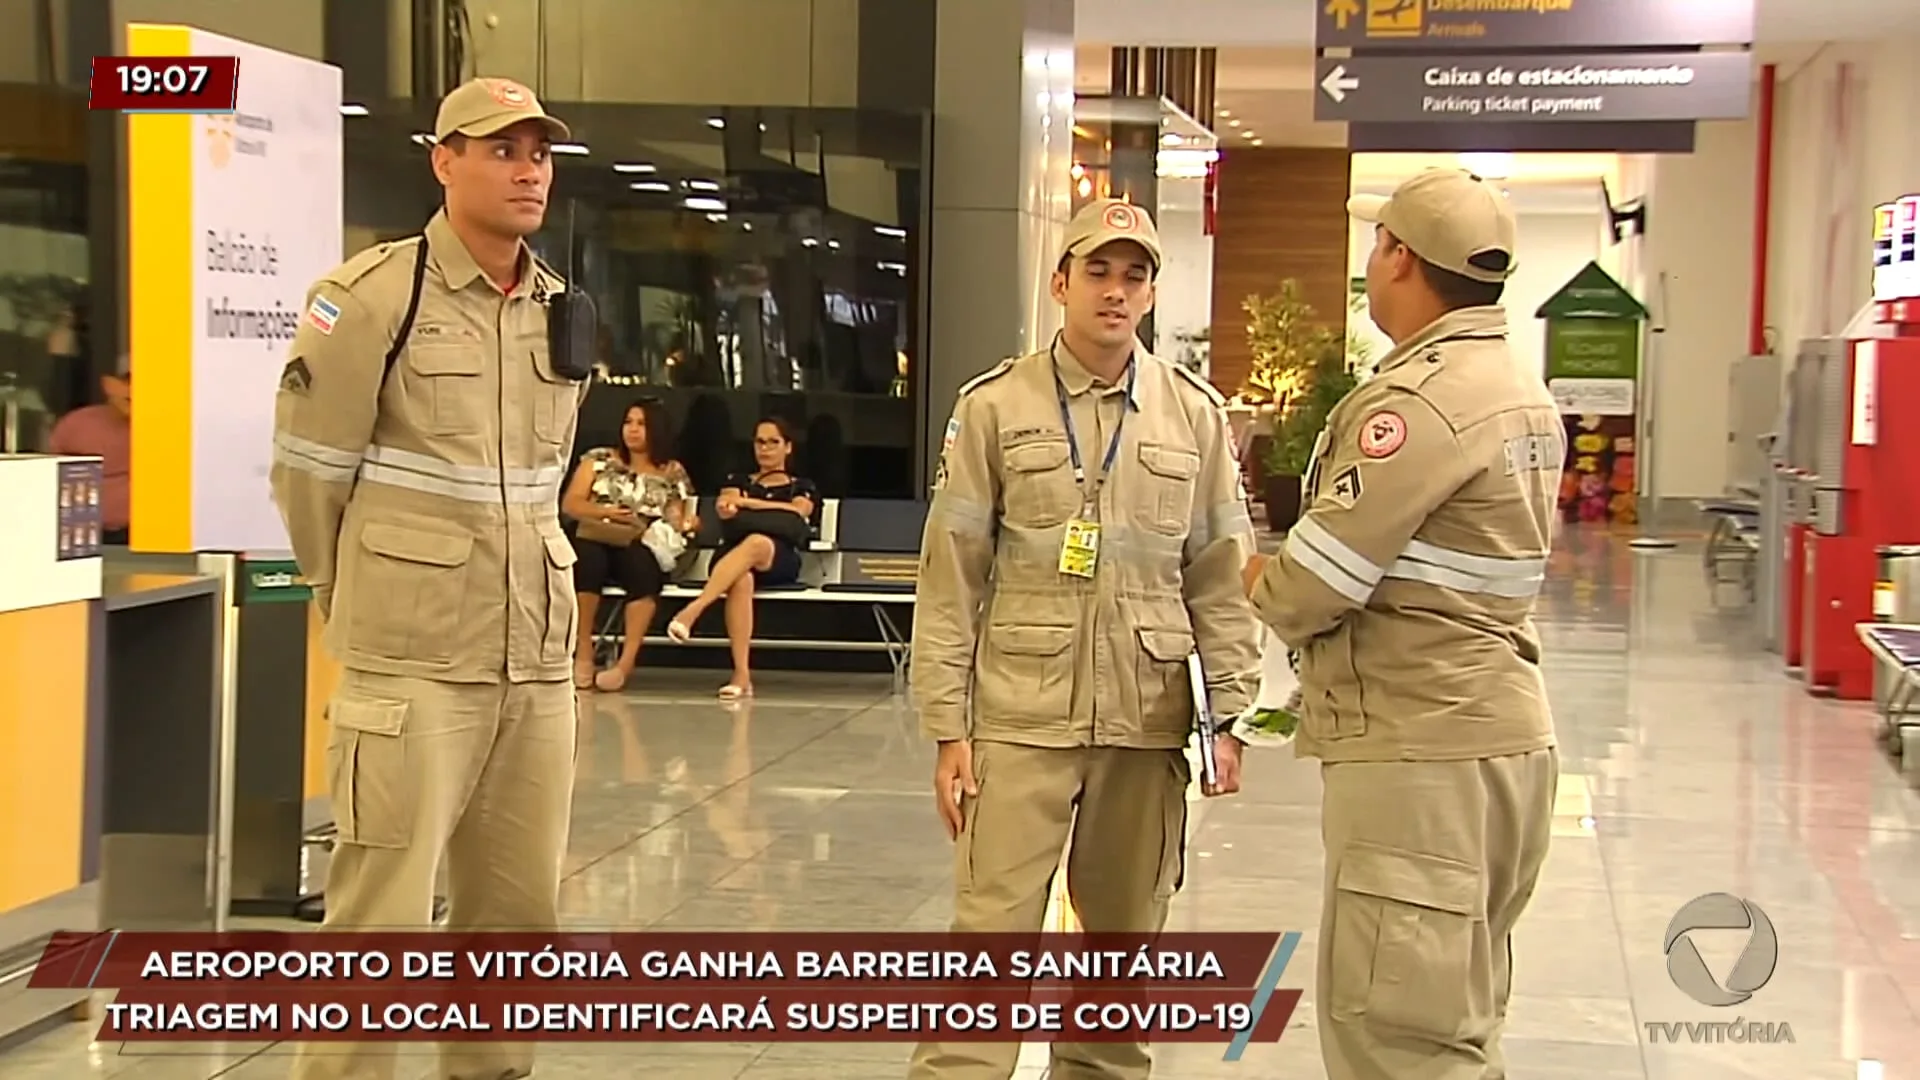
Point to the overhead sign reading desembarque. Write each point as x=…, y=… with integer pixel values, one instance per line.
x=1439, y=25
x=1557, y=88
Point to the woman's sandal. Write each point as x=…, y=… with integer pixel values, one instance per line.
x=611, y=681
x=734, y=692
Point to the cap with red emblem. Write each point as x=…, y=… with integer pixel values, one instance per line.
x=483, y=107
x=1105, y=221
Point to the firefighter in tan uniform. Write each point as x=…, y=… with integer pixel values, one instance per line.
x=1407, y=589
x=422, y=503
x=1087, y=533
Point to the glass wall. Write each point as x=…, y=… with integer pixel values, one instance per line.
x=45, y=328
x=745, y=263
x=745, y=203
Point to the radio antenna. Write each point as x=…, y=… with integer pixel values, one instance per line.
x=572, y=272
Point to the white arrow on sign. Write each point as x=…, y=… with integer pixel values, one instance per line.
x=1338, y=82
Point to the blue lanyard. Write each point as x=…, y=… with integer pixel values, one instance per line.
x=1073, y=440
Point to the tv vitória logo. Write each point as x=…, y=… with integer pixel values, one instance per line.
x=1721, y=911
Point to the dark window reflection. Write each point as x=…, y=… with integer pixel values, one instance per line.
x=46, y=365
x=744, y=262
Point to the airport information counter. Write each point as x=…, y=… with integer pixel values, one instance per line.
x=110, y=732
x=51, y=723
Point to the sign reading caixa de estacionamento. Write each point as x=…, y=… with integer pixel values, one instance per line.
x=1550, y=87
x=1439, y=25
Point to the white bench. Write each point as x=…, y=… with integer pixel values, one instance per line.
x=820, y=584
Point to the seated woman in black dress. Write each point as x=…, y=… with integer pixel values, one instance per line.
x=615, y=494
x=765, y=518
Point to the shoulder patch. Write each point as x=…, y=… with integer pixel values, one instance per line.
x=988, y=376
x=547, y=276
x=349, y=273
x=1382, y=434
x=1214, y=397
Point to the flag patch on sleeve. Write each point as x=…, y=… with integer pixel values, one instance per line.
x=323, y=314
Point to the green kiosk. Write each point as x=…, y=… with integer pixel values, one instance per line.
x=1594, y=328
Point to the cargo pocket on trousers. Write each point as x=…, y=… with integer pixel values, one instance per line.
x=563, y=609
x=1402, y=949
x=367, y=773
x=1173, y=832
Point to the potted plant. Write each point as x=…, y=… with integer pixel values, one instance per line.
x=1298, y=369
x=1299, y=426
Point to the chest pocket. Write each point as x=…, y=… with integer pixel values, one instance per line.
x=444, y=385
x=1167, y=482
x=1039, y=489
x=555, y=398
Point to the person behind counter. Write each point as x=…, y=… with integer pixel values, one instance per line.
x=105, y=431
x=616, y=494
x=766, y=518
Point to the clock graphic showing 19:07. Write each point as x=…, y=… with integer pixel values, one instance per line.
x=164, y=84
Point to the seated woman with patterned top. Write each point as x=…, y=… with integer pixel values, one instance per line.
x=615, y=496
x=766, y=518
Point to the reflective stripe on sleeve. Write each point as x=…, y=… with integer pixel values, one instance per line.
x=1461, y=572
x=1219, y=522
x=964, y=517
x=467, y=483
x=1326, y=557
x=315, y=459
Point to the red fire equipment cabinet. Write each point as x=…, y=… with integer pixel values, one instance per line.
x=1864, y=494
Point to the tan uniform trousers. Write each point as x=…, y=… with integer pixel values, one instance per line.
x=1125, y=812
x=479, y=773
x=1429, y=865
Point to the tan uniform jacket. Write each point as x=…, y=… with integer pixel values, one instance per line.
x=425, y=511
x=1408, y=585
x=1005, y=646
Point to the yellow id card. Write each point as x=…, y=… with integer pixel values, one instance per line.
x=1080, y=549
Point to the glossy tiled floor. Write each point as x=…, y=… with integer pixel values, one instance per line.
x=1691, y=765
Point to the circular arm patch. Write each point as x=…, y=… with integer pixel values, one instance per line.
x=1382, y=433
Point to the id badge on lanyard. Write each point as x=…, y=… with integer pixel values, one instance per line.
x=1080, y=544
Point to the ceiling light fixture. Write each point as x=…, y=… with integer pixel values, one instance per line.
x=716, y=122
x=1233, y=123
x=421, y=138
x=351, y=109
x=712, y=206
x=1169, y=139
x=639, y=167
x=702, y=185
x=572, y=149
x=651, y=185
x=889, y=230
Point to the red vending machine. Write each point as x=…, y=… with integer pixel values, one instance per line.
x=1868, y=479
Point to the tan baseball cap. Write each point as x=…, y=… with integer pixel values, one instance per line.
x=1452, y=219
x=482, y=107
x=1104, y=221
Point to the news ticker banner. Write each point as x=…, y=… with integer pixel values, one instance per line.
x=649, y=987
x=232, y=213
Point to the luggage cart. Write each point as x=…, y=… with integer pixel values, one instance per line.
x=1896, y=646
